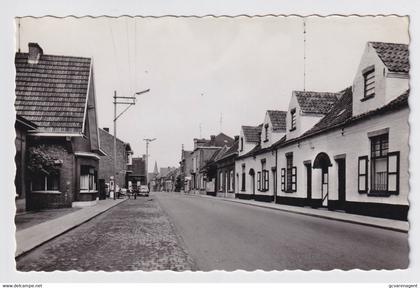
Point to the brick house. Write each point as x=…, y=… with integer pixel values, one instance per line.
x=203, y=151
x=106, y=163
x=138, y=171
x=346, y=150
x=219, y=172
x=57, y=94
x=22, y=126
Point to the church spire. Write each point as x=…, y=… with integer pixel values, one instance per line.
x=155, y=170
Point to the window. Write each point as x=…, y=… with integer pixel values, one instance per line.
x=362, y=174
x=46, y=183
x=264, y=177
x=243, y=178
x=379, y=163
x=87, y=179
x=369, y=84
x=293, y=119
x=290, y=174
x=266, y=132
x=259, y=180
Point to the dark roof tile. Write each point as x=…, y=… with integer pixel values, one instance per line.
x=252, y=133
x=316, y=102
x=278, y=119
x=52, y=93
x=394, y=56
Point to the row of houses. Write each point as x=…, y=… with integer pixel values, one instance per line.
x=345, y=150
x=62, y=158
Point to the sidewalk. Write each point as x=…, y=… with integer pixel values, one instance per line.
x=389, y=224
x=31, y=237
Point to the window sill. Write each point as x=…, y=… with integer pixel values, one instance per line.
x=289, y=191
x=88, y=191
x=367, y=98
x=46, y=192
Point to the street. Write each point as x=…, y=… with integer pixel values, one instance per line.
x=181, y=232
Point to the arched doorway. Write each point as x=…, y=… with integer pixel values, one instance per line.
x=322, y=161
x=252, y=174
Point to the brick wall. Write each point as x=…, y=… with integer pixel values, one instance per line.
x=106, y=163
x=60, y=150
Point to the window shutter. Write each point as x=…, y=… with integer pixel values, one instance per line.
x=267, y=180
x=294, y=176
x=283, y=179
x=259, y=181
x=362, y=181
x=393, y=172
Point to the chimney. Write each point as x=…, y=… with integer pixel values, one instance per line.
x=237, y=138
x=106, y=129
x=35, y=52
x=212, y=139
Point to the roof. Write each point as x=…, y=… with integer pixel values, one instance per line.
x=252, y=133
x=52, y=94
x=25, y=123
x=393, y=55
x=316, y=102
x=339, y=113
x=345, y=118
x=278, y=119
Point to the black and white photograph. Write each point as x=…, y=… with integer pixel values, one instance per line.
x=276, y=142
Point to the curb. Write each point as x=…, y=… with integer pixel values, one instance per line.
x=402, y=230
x=23, y=253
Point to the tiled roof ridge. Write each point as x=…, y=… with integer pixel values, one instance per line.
x=44, y=56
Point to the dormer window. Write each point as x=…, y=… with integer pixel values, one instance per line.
x=293, y=119
x=369, y=83
x=266, y=132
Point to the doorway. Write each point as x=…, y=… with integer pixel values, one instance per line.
x=308, y=184
x=323, y=162
x=341, y=166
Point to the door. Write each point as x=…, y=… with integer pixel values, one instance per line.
x=324, y=187
x=308, y=184
x=341, y=183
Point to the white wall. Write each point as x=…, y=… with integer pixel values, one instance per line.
x=387, y=85
x=353, y=143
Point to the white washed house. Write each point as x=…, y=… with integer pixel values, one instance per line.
x=255, y=167
x=347, y=150
x=356, y=157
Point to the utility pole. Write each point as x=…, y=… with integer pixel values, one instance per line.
x=148, y=140
x=130, y=101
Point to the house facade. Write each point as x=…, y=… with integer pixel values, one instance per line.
x=343, y=151
x=256, y=169
x=106, y=162
x=22, y=126
x=356, y=157
x=203, y=151
x=57, y=94
x=138, y=171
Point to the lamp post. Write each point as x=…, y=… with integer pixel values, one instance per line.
x=148, y=140
x=130, y=101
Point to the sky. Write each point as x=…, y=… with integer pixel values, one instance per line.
x=207, y=75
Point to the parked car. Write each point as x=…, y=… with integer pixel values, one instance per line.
x=144, y=191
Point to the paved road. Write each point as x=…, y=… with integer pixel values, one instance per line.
x=229, y=236
x=135, y=235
